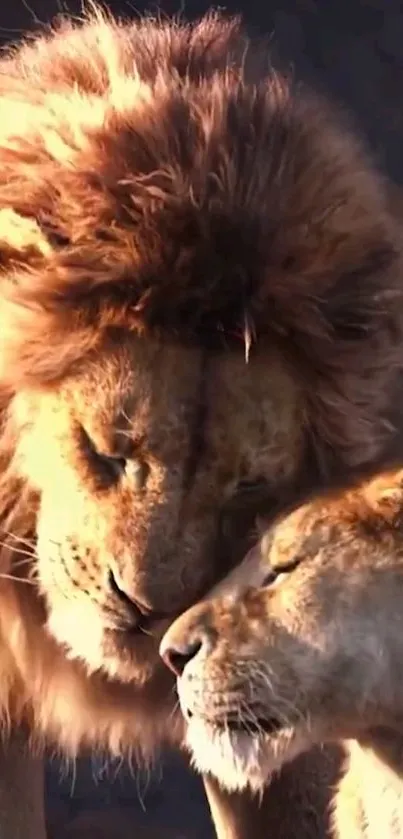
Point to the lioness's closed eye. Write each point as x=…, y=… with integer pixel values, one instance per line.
x=301, y=644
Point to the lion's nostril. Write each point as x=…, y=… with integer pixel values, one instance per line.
x=138, y=613
x=177, y=657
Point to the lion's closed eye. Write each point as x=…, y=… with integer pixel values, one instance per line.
x=276, y=574
x=110, y=467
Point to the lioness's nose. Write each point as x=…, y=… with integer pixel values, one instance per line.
x=188, y=636
x=176, y=658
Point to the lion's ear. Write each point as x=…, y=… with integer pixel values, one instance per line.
x=32, y=344
x=37, y=347
x=21, y=239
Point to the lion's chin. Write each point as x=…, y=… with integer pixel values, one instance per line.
x=240, y=760
x=84, y=637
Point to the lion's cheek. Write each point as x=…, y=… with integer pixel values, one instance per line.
x=79, y=628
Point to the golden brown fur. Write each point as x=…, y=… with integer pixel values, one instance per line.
x=166, y=211
x=302, y=645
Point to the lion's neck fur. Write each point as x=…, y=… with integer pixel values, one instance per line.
x=65, y=706
x=369, y=802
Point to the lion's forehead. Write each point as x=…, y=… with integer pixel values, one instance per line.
x=241, y=417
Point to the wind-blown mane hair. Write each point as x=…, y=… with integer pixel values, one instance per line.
x=151, y=180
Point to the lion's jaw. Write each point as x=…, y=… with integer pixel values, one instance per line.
x=125, y=490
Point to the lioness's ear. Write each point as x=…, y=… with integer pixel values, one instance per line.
x=21, y=239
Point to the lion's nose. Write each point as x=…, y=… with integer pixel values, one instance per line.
x=139, y=614
x=189, y=636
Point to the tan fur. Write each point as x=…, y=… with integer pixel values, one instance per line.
x=199, y=294
x=305, y=636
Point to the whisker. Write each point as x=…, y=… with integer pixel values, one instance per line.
x=21, y=563
x=146, y=631
x=266, y=675
x=248, y=717
x=16, y=579
x=15, y=550
x=173, y=711
x=24, y=540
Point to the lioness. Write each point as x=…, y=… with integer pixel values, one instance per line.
x=302, y=645
x=200, y=318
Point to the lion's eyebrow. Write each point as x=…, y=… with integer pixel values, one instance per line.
x=126, y=441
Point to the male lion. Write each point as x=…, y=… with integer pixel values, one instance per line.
x=200, y=309
x=301, y=645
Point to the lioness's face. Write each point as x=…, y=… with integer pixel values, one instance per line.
x=300, y=645
x=135, y=459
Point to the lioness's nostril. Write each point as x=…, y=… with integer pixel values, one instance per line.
x=178, y=656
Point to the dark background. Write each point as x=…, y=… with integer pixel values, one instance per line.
x=353, y=50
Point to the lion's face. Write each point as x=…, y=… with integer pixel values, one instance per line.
x=134, y=461
x=301, y=644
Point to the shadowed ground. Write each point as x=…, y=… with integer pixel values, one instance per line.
x=166, y=804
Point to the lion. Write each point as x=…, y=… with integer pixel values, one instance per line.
x=201, y=320
x=302, y=645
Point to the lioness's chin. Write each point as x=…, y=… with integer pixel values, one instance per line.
x=240, y=760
